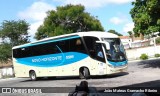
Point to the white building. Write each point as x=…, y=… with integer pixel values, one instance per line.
x=134, y=42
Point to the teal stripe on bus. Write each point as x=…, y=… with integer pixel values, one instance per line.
x=49, y=41
x=116, y=64
x=52, y=60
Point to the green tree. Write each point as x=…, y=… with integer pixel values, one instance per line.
x=131, y=35
x=114, y=32
x=67, y=19
x=5, y=52
x=12, y=33
x=145, y=15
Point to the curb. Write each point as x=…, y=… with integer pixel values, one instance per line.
x=3, y=79
x=143, y=60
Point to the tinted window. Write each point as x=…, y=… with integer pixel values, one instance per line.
x=90, y=43
x=77, y=45
x=74, y=45
x=44, y=49
x=22, y=52
x=64, y=45
x=94, y=49
x=36, y=50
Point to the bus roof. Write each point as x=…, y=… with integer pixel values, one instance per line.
x=98, y=34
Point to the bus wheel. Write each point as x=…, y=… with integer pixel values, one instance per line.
x=33, y=76
x=84, y=73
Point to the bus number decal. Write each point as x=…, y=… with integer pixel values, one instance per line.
x=70, y=57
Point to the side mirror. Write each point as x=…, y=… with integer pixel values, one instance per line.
x=106, y=44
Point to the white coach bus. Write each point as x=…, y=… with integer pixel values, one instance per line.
x=80, y=54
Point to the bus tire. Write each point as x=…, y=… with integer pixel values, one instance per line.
x=84, y=73
x=33, y=76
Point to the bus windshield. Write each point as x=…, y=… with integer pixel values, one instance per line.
x=116, y=52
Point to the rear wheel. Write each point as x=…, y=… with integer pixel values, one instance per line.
x=84, y=73
x=33, y=76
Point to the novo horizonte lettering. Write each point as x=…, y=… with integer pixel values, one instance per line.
x=52, y=58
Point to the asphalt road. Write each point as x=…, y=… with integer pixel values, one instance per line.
x=140, y=74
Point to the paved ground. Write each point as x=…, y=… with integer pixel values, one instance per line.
x=140, y=74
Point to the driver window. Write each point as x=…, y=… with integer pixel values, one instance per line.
x=99, y=52
x=93, y=48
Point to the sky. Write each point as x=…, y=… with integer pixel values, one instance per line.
x=113, y=14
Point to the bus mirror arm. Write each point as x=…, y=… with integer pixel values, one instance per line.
x=104, y=42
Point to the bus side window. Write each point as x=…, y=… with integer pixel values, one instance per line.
x=93, y=48
x=25, y=52
x=16, y=53
x=77, y=45
x=45, y=49
x=90, y=44
x=64, y=45
x=99, y=52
